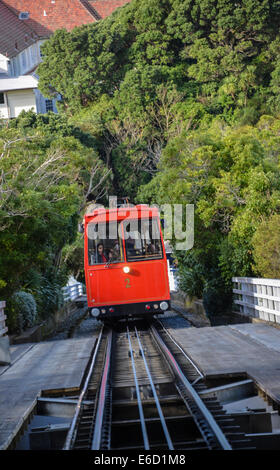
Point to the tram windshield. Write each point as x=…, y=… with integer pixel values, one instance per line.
x=104, y=244
x=141, y=236
x=142, y=240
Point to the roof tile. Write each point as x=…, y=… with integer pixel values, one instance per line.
x=106, y=7
x=15, y=35
x=47, y=16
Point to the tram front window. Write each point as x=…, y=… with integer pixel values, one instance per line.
x=143, y=240
x=104, y=248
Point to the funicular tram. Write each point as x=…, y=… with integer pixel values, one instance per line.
x=125, y=263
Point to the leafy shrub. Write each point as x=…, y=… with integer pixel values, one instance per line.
x=216, y=300
x=46, y=289
x=191, y=280
x=49, y=297
x=21, y=312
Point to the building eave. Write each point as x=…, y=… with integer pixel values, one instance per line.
x=23, y=82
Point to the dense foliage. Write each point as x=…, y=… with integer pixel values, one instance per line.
x=183, y=99
x=180, y=100
x=232, y=176
x=47, y=174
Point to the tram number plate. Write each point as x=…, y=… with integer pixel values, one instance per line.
x=127, y=282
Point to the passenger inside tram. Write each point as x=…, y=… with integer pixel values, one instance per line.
x=102, y=251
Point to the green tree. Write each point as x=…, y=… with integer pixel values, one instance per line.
x=231, y=175
x=46, y=180
x=266, y=248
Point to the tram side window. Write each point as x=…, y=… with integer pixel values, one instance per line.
x=101, y=248
x=144, y=243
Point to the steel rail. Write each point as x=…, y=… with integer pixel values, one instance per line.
x=183, y=352
x=140, y=407
x=72, y=429
x=162, y=419
x=97, y=435
x=221, y=438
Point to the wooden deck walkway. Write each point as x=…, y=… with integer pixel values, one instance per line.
x=50, y=365
x=253, y=349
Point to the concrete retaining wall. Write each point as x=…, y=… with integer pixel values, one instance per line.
x=58, y=318
x=194, y=307
x=50, y=325
x=5, y=357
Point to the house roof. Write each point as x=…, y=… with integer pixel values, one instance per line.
x=15, y=34
x=23, y=82
x=106, y=7
x=46, y=16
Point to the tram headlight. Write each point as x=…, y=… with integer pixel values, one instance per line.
x=163, y=305
x=126, y=269
x=94, y=312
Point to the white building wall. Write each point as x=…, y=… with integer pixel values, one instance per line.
x=3, y=64
x=4, y=112
x=26, y=60
x=19, y=100
x=21, y=65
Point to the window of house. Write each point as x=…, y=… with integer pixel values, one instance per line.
x=33, y=51
x=16, y=66
x=11, y=68
x=49, y=105
x=23, y=60
x=24, y=15
x=2, y=98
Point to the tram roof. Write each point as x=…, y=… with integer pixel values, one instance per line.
x=121, y=213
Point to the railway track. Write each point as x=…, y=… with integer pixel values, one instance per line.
x=142, y=391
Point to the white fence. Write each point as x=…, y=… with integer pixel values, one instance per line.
x=172, y=277
x=3, y=328
x=257, y=298
x=72, y=292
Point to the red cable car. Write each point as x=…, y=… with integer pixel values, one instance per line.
x=125, y=263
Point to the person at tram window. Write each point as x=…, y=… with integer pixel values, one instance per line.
x=130, y=244
x=153, y=248
x=111, y=255
x=100, y=258
x=115, y=249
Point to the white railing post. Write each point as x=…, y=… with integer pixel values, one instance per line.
x=172, y=277
x=257, y=298
x=72, y=292
x=3, y=328
x=5, y=357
